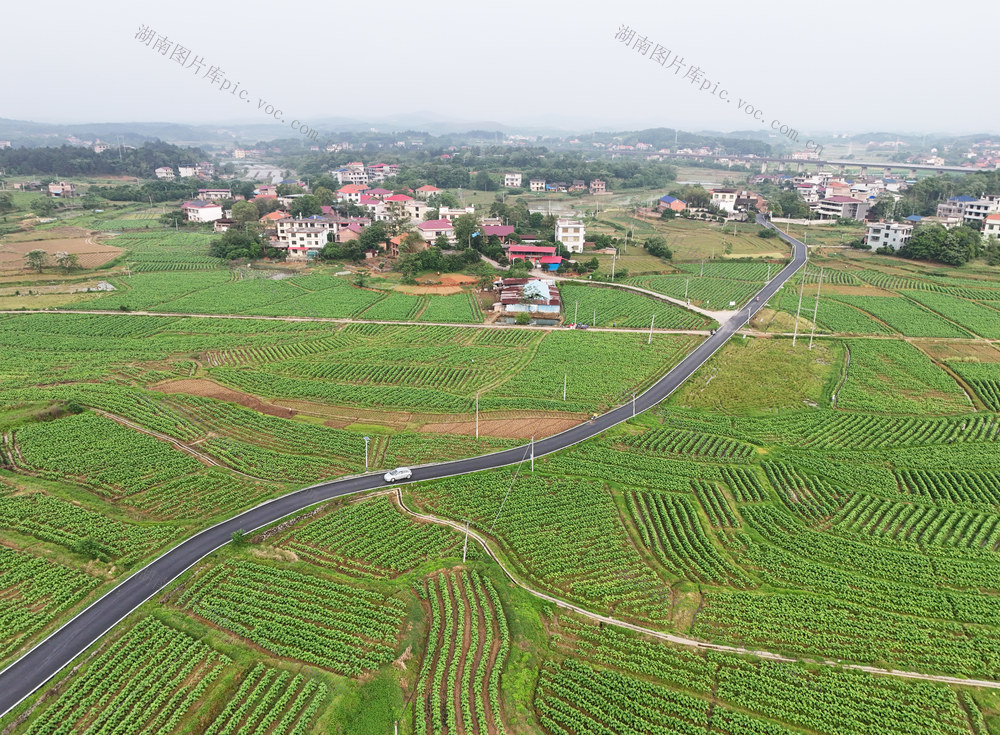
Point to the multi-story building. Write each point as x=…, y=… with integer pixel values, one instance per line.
x=978, y=210
x=186, y=171
x=214, y=195
x=571, y=233
x=838, y=207
x=352, y=173
x=164, y=172
x=954, y=207
x=304, y=237
x=724, y=199
x=991, y=226
x=202, y=211
x=537, y=184
x=434, y=228
x=512, y=181
x=450, y=213
x=61, y=189
x=598, y=186
x=893, y=234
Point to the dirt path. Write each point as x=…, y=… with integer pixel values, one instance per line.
x=338, y=320
x=683, y=640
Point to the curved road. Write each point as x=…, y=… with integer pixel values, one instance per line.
x=46, y=659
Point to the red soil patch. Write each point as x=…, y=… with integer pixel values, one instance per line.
x=456, y=279
x=208, y=389
x=504, y=428
x=90, y=252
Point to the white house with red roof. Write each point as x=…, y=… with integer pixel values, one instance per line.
x=434, y=228
x=351, y=193
x=991, y=226
x=427, y=191
x=202, y=211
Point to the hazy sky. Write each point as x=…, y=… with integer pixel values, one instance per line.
x=848, y=66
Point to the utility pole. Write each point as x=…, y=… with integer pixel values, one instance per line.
x=633, y=404
x=477, y=414
x=816, y=308
x=367, y=439
x=650, y=340
x=532, y=452
x=802, y=287
x=702, y=268
x=576, y=311
x=613, y=256
x=564, y=385
x=768, y=271
x=465, y=547
x=687, y=282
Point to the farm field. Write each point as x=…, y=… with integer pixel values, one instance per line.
x=839, y=503
x=689, y=241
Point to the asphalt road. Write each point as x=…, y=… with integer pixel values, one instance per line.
x=47, y=658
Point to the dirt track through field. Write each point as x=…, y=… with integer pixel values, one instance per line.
x=677, y=639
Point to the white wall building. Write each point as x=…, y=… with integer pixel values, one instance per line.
x=724, y=199
x=571, y=233
x=991, y=227
x=537, y=184
x=201, y=211
x=512, y=181
x=302, y=235
x=893, y=234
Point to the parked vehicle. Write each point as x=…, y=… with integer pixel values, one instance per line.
x=400, y=473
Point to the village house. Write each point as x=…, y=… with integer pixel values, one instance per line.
x=512, y=181
x=222, y=225
x=201, y=211
x=61, y=190
x=533, y=254
x=991, y=226
x=893, y=234
x=185, y=171
x=669, y=202
x=351, y=193
x=304, y=237
x=537, y=184
x=503, y=232
x=427, y=191
x=450, y=213
x=352, y=173
x=724, y=199
x=165, y=173
x=597, y=186
x=837, y=207
x=214, y=195
x=955, y=206
x=571, y=233
x=434, y=228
